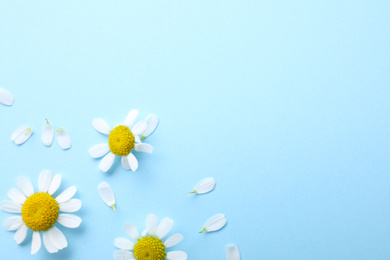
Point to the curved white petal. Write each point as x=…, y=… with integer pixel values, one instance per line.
x=107, y=194
x=16, y=195
x=204, y=186
x=55, y=184
x=123, y=255
x=25, y=186
x=13, y=223
x=143, y=147
x=176, y=255
x=173, y=240
x=107, y=161
x=130, y=119
x=101, y=126
x=20, y=234
x=133, y=162
x=125, y=163
x=138, y=128
x=21, y=135
x=164, y=227
x=47, y=135
x=151, y=122
x=47, y=243
x=232, y=253
x=66, y=194
x=44, y=181
x=99, y=150
x=72, y=205
x=6, y=98
x=11, y=207
x=151, y=224
x=57, y=238
x=215, y=223
x=36, y=242
x=137, y=139
x=124, y=244
x=132, y=231
x=144, y=233
x=63, y=138
x=69, y=220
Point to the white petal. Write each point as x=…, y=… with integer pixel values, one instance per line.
x=48, y=244
x=176, y=255
x=164, y=227
x=72, y=205
x=47, y=134
x=106, y=162
x=21, y=135
x=152, y=122
x=151, y=224
x=13, y=223
x=16, y=195
x=99, y=150
x=66, y=194
x=215, y=223
x=107, y=194
x=143, y=147
x=144, y=233
x=125, y=163
x=137, y=139
x=36, y=242
x=124, y=244
x=6, y=98
x=69, y=220
x=101, y=126
x=132, y=231
x=55, y=184
x=173, y=240
x=130, y=119
x=44, y=180
x=25, y=186
x=57, y=238
x=132, y=162
x=204, y=186
x=123, y=255
x=20, y=234
x=232, y=253
x=63, y=138
x=138, y=128
x=11, y=207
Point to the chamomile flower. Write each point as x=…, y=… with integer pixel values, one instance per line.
x=40, y=211
x=150, y=245
x=121, y=141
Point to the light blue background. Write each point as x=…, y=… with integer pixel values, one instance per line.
x=284, y=103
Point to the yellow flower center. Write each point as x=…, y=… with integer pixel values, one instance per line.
x=149, y=248
x=121, y=140
x=40, y=211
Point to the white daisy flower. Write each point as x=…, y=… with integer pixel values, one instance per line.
x=40, y=211
x=6, y=98
x=121, y=141
x=232, y=253
x=150, y=244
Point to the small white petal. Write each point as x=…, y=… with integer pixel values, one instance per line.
x=204, y=186
x=125, y=163
x=123, y=255
x=151, y=224
x=152, y=122
x=106, y=162
x=173, y=240
x=63, y=138
x=101, y=126
x=44, y=181
x=143, y=147
x=232, y=253
x=16, y=195
x=36, y=242
x=21, y=135
x=11, y=207
x=132, y=231
x=69, y=220
x=6, y=98
x=130, y=119
x=215, y=223
x=47, y=134
x=164, y=227
x=144, y=233
x=57, y=238
x=99, y=150
x=137, y=139
x=47, y=243
x=176, y=255
x=66, y=194
x=138, y=128
x=55, y=184
x=107, y=194
x=72, y=205
x=13, y=223
x=124, y=244
x=25, y=186
x=20, y=234
x=133, y=162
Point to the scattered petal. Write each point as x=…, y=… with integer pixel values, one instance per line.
x=232, y=253
x=124, y=244
x=99, y=150
x=6, y=98
x=132, y=231
x=173, y=240
x=107, y=194
x=106, y=162
x=204, y=186
x=13, y=223
x=138, y=128
x=11, y=207
x=69, y=220
x=151, y=122
x=21, y=135
x=176, y=255
x=36, y=242
x=164, y=227
x=66, y=194
x=55, y=184
x=63, y=138
x=101, y=126
x=44, y=181
x=47, y=134
x=214, y=223
x=143, y=147
x=25, y=186
x=130, y=119
x=72, y=205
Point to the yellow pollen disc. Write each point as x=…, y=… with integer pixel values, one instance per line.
x=149, y=248
x=40, y=211
x=121, y=140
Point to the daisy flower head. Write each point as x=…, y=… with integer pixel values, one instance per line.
x=149, y=246
x=121, y=141
x=40, y=211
